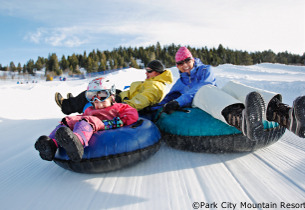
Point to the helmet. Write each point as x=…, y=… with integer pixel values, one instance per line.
x=100, y=89
x=101, y=84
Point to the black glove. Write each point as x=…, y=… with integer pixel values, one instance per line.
x=118, y=98
x=170, y=107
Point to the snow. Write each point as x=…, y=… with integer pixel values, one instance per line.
x=170, y=179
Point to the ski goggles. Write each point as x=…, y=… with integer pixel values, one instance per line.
x=184, y=61
x=100, y=95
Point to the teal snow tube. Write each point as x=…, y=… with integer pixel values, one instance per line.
x=198, y=131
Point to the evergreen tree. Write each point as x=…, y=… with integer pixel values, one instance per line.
x=24, y=71
x=39, y=63
x=12, y=67
x=158, y=50
x=269, y=56
x=282, y=58
x=222, y=54
x=122, y=57
x=89, y=65
x=246, y=59
x=121, y=62
x=73, y=63
x=64, y=63
x=83, y=61
x=19, y=68
x=30, y=66
x=133, y=63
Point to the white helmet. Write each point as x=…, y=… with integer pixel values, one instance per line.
x=101, y=84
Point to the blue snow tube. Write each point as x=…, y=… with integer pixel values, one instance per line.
x=198, y=131
x=114, y=149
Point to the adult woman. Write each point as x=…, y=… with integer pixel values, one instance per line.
x=236, y=104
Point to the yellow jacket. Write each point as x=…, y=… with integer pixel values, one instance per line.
x=147, y=93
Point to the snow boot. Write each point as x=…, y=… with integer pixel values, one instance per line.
x=253, y=126
x=248, y=119
x=74, y=104
x=69, y=95
x=70, y=142
x=292, y=118
x=52, y=134
x=233, y=115
x=59, y=99
x=46, y=147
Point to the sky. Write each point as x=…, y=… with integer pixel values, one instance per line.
x=35, y=28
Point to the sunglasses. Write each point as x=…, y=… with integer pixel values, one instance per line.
x=100, y=95
x=149, y=70
x=183, y=61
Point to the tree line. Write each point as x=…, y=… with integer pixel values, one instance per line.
x=139, y=57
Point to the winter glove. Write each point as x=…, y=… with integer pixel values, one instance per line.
x=117, y=91
x=171, y=106
x=118, y=99
x=114, y=123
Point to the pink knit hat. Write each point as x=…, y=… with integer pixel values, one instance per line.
x=182, y=54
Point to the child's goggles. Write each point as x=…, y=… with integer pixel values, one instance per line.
x=100, y=95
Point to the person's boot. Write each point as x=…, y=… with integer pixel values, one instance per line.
x=233, y=115
x=74, y=104
x=52, y=134
x=46, y=147
x=70, y=142
x=292, y=118
x=247, y=119
x=69, y=95
x=59, y=99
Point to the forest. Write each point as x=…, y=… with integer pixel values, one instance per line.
x=138, y=57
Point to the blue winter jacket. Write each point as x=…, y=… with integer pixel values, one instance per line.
x=184, y=90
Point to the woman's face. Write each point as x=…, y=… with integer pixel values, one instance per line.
x=186, y=65
x=101, y=105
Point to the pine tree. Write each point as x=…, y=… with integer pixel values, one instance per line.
x=12, y=67
x=39, y=63
x=89, y=65
x=19, y=68
x=30, y=66
x=73, y=62
x=133, y=63
x=64, y=63
x=246, y=59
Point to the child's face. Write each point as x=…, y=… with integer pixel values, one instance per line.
x=101, y=105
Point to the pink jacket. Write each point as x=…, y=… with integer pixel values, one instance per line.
x=94, y=117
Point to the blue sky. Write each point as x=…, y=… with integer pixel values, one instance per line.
x=32, y=28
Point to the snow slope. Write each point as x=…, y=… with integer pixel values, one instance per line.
x=171, y=179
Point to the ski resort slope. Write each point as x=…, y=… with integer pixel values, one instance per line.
x=269, y=178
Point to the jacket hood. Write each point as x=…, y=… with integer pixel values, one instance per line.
x=165, y=77
x=197, y=62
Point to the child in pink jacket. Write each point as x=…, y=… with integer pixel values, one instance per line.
x=74, y=132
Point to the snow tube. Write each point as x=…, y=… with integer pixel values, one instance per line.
x=198, y=131
x=114, y=149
